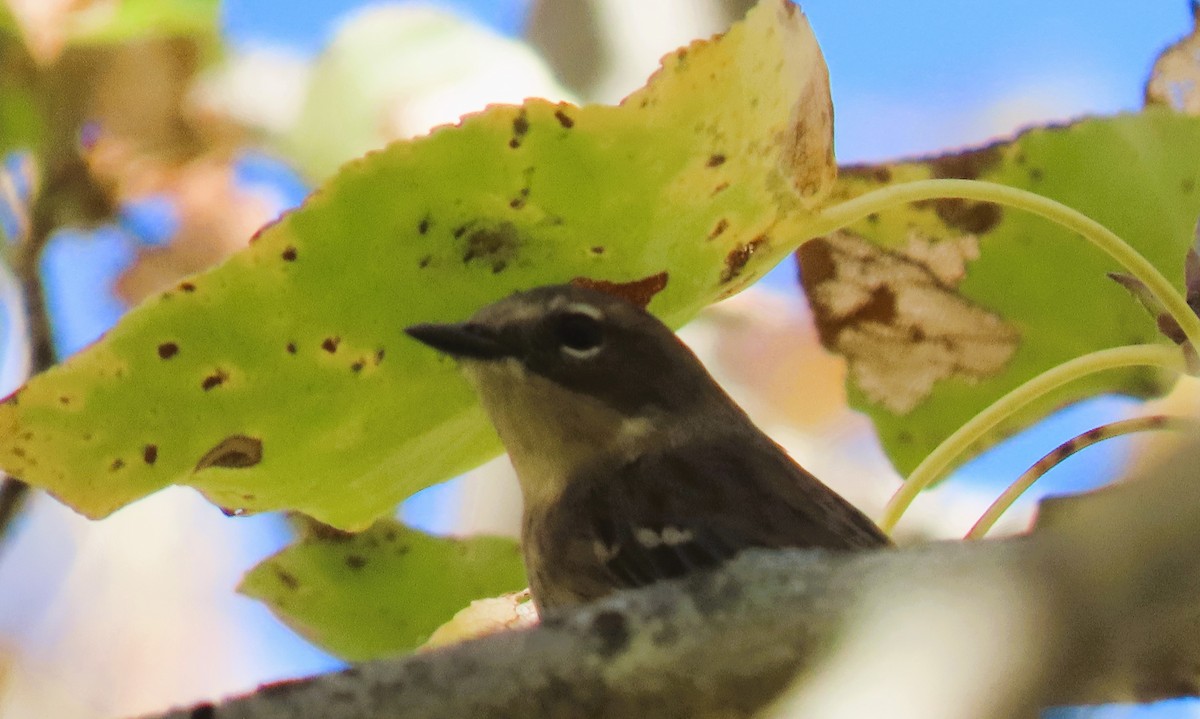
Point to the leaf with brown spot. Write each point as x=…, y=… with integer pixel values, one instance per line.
x=234, y=452
x=381, y=592
x=638, y=292
x=1017, y=275
x=422, y=231
x=901, y=327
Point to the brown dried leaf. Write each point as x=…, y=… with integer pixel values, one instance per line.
x=897, y=317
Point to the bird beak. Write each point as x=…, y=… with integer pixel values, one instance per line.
x=465, y=340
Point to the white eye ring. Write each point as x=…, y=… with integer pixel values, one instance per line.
x=581, y=308
x=579, y=331
x=588, y=353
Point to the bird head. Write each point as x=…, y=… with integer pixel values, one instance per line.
x=565, y=372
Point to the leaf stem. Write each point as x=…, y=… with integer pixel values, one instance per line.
x=1056, y=456
x=850, y=211
x=957, y=444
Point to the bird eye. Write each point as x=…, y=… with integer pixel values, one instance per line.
x=579, y=335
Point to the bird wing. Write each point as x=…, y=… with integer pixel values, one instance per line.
x=667, y=514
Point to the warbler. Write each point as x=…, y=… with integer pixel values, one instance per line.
x=634, y=465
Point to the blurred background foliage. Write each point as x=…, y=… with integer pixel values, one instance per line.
x=144, y=140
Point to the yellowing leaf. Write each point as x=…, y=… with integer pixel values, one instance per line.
x=964, y=301
x=708, y=174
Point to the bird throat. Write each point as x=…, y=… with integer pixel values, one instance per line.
x=551, y=432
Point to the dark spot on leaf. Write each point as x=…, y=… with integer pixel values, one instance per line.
x=424, y=261
x=715, y=160
x=64, y=400
x=880, y=174
x=287, y=579
x=494, y=246
x=722, y=225
x=1036, y=174
x=203, y=711
x=150, y=453
x=357, y=366
x=516, y=203
x=424, y=224
x=873, y=218
x=187, y=287
x=19, y=452
x=520, y=126
x=214, y=380
x=1187, y=185
x=974, y=218
x=379, y=354
x=597, y=250
x=325, y=533
x=970, y=165
x=291, y=348
x=389, y=534
x=116, y=465
x=564, y=119
x=355, y=561
x=330, y=344
x=720, y=188
x=167, y=350
x=461, y=230
x=737, y=258
x=638, y=292
x=236, y=451
x=613, y=632
x=289, y=254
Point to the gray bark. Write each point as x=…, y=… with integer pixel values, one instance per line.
x=1100, y=604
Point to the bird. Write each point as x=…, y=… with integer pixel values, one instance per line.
x=634, y=465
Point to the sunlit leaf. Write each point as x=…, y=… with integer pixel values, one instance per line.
x=1005, y=295
x=708, y=174
x=383, y=591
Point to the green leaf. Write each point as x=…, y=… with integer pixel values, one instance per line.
x=381, y=592
x=1037, y=295
x=283, y=378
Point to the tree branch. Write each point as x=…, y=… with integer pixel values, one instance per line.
x=1100, y=604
